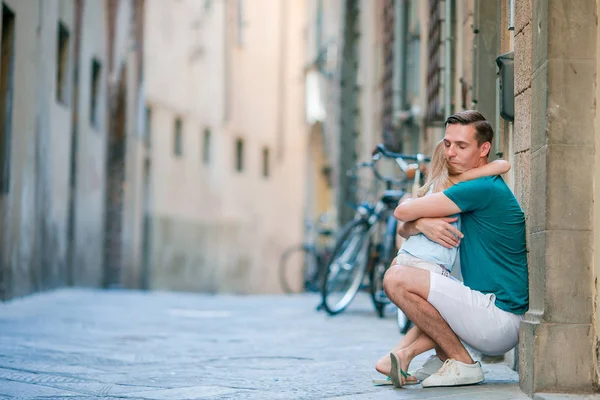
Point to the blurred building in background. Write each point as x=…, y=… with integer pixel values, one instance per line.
x=69, y=94
x=227, y=142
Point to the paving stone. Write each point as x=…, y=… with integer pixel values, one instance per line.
x=83, y=344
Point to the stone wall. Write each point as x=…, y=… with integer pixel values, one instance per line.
x=214, y=227
x=555, y=56
x=522, y=125
x=19, y=218
x=88, y=230
x=52, y=218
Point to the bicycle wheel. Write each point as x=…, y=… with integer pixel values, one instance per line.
x=404, y=323
x=294, y=265
x=312, y=271
x=346, y=268
x=385, y=257
x=378, y=296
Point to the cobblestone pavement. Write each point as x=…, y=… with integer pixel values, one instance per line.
x=84, y=344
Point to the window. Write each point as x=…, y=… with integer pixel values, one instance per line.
x=7, y=63
x=265, y=162
x=206, y=147
x=178, y=138
x=95, y=92
x=148, y=127
x=62, y=62
x=239, y=152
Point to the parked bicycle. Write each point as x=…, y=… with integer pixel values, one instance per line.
x=368, y=240
x=311, y=256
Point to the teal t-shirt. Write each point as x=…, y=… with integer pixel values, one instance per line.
x=493, y=253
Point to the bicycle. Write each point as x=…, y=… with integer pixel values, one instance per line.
x=360, y=244
x=414, y=172
x=314, y=253
x=388, y=248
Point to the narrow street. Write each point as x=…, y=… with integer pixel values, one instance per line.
x=84, y=344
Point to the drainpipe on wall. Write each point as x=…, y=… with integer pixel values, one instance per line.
x=511, y=15
x=474, y=54
x=447, y=57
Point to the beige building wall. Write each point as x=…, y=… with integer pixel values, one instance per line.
x=57, y=172
x=185, y=78
x=88, y=233
x=18, y=216
x=127, y=59
x=369, y=80
x=241, y=77
x=53, y=216
x=36, y=209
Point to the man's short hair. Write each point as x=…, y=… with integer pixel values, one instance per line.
x=484, y=131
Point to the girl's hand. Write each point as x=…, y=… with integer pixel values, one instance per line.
x=440, y=231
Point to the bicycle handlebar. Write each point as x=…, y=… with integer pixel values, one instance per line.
x=390, y=154
x=381, y=150
x=371, y=164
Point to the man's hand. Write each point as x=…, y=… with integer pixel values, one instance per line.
x=440, y=231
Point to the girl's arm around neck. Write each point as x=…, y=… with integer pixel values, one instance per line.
x=496, y=167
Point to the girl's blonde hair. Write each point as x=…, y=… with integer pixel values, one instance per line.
x=438, y=175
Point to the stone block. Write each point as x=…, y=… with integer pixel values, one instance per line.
x=536, y=244
x=538, y=191
x=570, y=193
x=562, y=195
x=563, y=358
x=511, y=358
x=563, y=396
x=522, y=127
x=526, y=360
x=556, y=358
x=568, y=22
x=523, y=14
x=539, y=30
x=569, y=289
x=539, y=105
x=570, y=102
x=522, y=179
x=523, y=61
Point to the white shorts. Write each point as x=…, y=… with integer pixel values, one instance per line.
x=473, y=316
x=412, y=261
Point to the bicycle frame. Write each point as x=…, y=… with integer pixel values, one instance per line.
x=353, y=251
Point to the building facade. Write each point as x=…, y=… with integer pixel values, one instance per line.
x=62, y=63
x=228, y=142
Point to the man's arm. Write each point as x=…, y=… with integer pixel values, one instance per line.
x=438, y=230
x=434, y=205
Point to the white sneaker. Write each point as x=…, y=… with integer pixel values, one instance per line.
x=455, y=373
x=429, y=367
